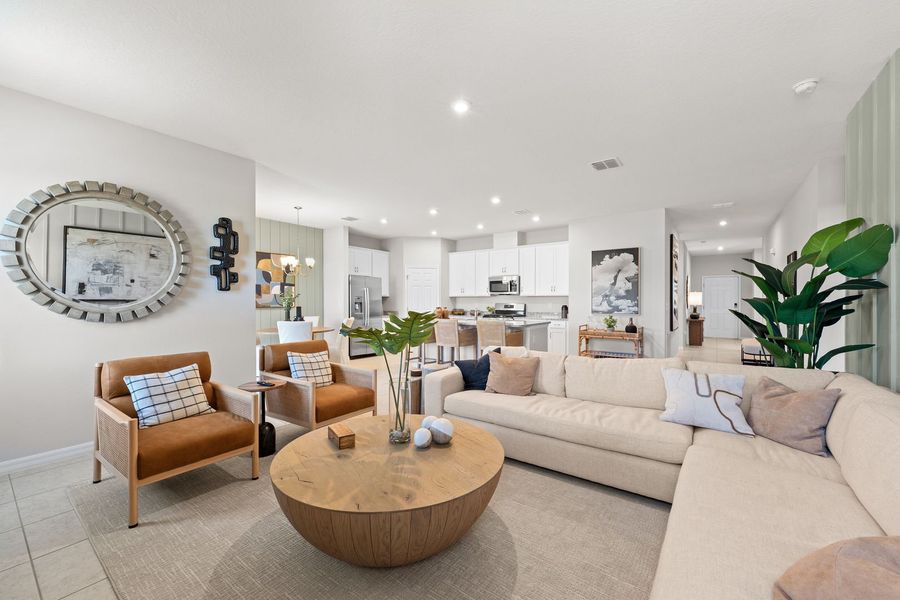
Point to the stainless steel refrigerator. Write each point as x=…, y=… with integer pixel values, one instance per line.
x=366, y=309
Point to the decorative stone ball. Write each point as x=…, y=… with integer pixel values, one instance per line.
x=442, y=431
x=422, y=438
x=427, y=421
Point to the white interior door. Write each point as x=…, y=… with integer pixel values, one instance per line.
x=422, y=289
x=719, y=295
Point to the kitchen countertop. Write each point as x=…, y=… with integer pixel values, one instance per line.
x=511, y=323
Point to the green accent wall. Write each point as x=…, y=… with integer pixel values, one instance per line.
x=872, y=180
x=286, y=238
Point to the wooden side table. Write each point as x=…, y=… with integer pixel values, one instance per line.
x=266, y=430
x=695, y=331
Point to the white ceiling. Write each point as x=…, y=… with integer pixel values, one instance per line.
x=351, y=99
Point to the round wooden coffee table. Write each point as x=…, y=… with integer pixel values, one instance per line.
x=385, y=505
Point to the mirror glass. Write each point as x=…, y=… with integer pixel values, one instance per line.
x=100, y=252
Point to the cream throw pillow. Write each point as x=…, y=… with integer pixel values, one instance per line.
x=513, y=376
x=711, y=401
x=795, y=419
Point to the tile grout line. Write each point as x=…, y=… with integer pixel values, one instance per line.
x=91, y=542
x=37, y=585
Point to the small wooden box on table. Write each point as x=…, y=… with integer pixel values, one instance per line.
x=586, y=334
x=341, y=436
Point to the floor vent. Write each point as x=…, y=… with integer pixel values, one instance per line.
x=609, y=163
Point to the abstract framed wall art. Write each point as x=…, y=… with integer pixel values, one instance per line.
x=270, y=279
x=113, y=266
x=615, y=281
x=674, y=269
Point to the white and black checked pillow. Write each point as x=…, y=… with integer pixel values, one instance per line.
x=313, y=366
x=163, y=397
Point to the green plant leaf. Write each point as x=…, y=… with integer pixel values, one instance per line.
x=797, y=310
x=764, y=307
x=822, y=242
x=801, y=346
x=864, y=253
x=831, y=354
x=755, y=326
x=859, y=284
x=374, y=338
x=782, y=357
x=761, y=283
x=787, y=276
x=770, y=273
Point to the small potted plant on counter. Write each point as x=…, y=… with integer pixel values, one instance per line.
x=610, y=322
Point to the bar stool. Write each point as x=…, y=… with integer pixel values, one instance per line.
x=493, y=332
x=447, y=334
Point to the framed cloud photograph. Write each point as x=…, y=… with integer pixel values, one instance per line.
x=615, y=281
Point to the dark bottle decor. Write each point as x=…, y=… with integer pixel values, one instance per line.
x=631, y=327
x=299, y=313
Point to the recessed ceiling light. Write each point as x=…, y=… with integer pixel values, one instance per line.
x=495, y=200
x=723, y=223
x=536, y=218
x=432, y=212
x=479, y=226
x=383, y=221
x=461, y=106
x=433, y=232
x=720, y=248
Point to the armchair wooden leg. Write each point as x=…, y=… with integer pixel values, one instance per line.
x=96, y=478
x=132, y=503
x=254, y=461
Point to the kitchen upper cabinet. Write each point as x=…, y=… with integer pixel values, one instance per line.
x=360, y=261
x=527, y=283
x=381, y=267
x=504, y=261
x=374, y=263
x=551, y=270
x=482, y=272
x=461, y=274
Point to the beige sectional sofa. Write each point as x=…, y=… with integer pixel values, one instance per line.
x=743, y=509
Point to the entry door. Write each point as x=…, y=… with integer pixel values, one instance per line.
x=422, y=289
x=719, y=295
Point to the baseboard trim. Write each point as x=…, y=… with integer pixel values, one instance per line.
x=43, y=458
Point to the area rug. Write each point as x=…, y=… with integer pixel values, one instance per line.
x=215, y=534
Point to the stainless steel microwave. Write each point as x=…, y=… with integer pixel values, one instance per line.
x=507, y=285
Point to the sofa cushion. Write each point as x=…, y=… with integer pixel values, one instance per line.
x=772, y=453
x=711, y=401
x=169, y=396
x=737, y=524
x=513, y=376
x=113, y=372
x=175, y=444
x=314, y=367
x=475, y=372
x=855, y=391
x=636, y=382
x=871, y=461
x=551, y=374
x=635, y=431
x=795, y=419
x=340, y=399
x=798, y=379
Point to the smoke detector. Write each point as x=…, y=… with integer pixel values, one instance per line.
x=608, y=163
x=806, y=87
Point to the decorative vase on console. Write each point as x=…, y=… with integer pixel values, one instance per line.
x=299, y=314
x=631, y=327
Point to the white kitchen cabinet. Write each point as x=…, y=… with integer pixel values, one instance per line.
x=381, y=267
x=504, y=261
x=374, y=263
x=360, y=261
x=558, y=334
x=551, y=270
x=527, y=283
x=482, y=272
x=462, y=274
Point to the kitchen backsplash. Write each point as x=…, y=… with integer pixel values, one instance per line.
x=536, y=306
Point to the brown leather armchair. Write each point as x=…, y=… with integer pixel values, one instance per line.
x=144, y=456
x=353, y=392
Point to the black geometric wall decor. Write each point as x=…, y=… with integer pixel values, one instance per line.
x=227, y=248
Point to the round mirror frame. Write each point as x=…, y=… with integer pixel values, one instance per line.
x=14, y=258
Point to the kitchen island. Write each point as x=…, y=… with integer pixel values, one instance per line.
x=534, y=331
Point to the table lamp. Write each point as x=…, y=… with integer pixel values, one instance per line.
x=695, y=299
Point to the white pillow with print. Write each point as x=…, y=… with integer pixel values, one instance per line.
x=312, y=366
x=705, y=400
x=162, y=397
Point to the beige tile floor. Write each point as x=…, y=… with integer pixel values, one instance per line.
x=44, y=550
x=722, y=350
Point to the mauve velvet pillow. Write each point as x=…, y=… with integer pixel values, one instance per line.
x=795, y=419
x=513, y=376
x=865, y=568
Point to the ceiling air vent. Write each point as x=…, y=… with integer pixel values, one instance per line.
x=723, y=205
x=522, y=212
x=609, y=163
x=349, y=219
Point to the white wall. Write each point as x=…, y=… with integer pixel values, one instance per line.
x=364, y=241
x=534, y=236
x=336, y=271
x=47, y=360
x=817, y=203
x=416, y=252
x=648, y=231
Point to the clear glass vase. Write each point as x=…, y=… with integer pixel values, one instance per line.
x=398, y=413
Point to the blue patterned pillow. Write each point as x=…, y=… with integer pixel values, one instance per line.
x=475, y=372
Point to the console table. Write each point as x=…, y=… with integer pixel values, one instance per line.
x=695, y=331
x=586, y=334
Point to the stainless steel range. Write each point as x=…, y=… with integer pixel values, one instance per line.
x=506, y=310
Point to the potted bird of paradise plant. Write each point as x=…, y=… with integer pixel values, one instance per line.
x=399, y=336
